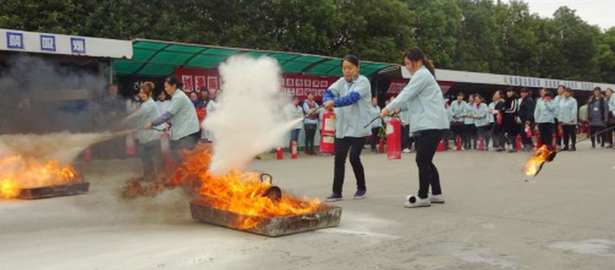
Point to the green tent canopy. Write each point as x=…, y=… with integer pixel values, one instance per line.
x=160, y=58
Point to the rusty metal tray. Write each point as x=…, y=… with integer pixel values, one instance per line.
x=325, y=217
x=54, y=191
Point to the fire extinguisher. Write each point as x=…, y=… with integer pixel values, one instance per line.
x=528, y=130
x=458, y=143
x=381, y=146
x=293, y=150
x=394, y=139
x=327, y=136
x=279, y=154
x=87, y=155
x=131, y=148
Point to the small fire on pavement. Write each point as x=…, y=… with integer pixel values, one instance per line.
x=27, y=178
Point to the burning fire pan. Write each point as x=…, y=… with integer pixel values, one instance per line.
x=54, y=191
x=325, y=217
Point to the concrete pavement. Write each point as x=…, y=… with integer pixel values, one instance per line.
x=492, y=219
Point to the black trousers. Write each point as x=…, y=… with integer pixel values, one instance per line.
x=405, y=136
x=570, y=134
x=546, y=134
x=342, y=147
x=310, y=132
x=150, y=157
x=558, y=139
x=185, y=143
x=457, y=129
x=469, y=140
x=373, y=140
x=484, y=132
x=609, y=134
x=497, y=133
x=594, y=130
x=426, y=147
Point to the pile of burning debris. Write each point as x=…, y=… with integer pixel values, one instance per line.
x=27, y=178
x=240, y=200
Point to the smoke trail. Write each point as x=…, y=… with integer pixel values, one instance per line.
x=63, y=147
x=253, y=115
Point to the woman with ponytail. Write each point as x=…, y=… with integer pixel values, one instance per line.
x=149, y=140
x=428, y=123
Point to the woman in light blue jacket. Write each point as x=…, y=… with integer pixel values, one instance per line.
x=480, y=112
x=469, y=128
x=544, y=115
x=149, y=140
x=351, y=97
x=428, y=123
x=568, y=109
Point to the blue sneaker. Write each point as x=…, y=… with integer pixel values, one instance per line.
x=334, y=197
x=360, y=194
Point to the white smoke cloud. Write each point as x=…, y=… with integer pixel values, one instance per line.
x=253, y=115
x=63, y=147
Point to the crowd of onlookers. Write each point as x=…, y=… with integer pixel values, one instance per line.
x=511, y=122
x=508, y=121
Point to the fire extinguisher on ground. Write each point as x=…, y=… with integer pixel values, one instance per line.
x=327, y=136
x=393, y=131
x=293, y=150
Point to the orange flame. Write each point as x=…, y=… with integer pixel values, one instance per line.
x=17, y=172
x=237, y=192
x=541, y=155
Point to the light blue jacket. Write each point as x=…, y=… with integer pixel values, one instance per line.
x=568, y=111
x=545, y=111
x=147, y=113
x=468, y=117
x=558, y=100
x=353, y=106
x=376, y=113
x=480, y=115
x=490, y=116
x=424, y=98
x=404, y=115
x=612, y=104
x=458, y=110
x=184, y=121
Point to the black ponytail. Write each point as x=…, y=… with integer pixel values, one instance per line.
x=172, y=80
x=352, y=59
x=415, y=54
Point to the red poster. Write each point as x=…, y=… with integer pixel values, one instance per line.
x=304, y=84
x=199, y=82
x=187, y=81
x=212, y=84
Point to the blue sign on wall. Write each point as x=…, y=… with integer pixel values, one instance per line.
x=14, y=40
x=48, y=43
x=77, y=45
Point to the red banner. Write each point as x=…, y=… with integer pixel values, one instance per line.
x=294, y=85
x=398, y=84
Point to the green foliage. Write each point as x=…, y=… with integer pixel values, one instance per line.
x=474, y=35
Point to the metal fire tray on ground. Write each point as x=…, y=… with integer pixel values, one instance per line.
x=325, y=217
x=54, y=191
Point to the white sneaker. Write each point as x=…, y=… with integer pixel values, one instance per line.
x=436, y=198
x=413, y=201
x=407, y=150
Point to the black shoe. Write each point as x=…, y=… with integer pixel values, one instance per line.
x=565, y=149
x=512, y=151
x=573, y=149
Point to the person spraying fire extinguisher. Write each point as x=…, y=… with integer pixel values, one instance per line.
x=428, y=123
x=351, y=97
